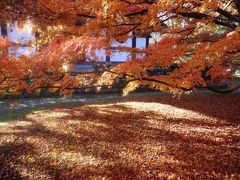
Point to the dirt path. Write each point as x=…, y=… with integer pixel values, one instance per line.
x=16, y=104
x=11, y=108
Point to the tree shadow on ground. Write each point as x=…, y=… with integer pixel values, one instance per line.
x=10, y=159
x=114, y=140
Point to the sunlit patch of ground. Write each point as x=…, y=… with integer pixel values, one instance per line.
x=194, y=137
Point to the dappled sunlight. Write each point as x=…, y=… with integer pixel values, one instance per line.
x=22, y=123
x=108, y=109
x=132, y=138
x=179, y=120
x=47, y=114
x=2, y=124
x=168, y=111
x=163, y=114
x=75, y=158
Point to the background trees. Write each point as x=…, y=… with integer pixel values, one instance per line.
x=199, y=38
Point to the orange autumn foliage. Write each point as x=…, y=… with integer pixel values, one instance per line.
x=200, y=38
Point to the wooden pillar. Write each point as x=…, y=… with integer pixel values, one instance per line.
x=4, y=30
x=4, y=34
x=134, y=40
x=108, y=59
x=134, y=44
x=147, y=40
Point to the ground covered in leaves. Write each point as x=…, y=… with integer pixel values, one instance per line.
x=196, y=136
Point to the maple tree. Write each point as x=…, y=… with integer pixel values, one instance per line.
x=199, y=43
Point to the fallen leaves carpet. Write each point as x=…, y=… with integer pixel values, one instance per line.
x=158, y=137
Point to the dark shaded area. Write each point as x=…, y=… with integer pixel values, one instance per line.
x=9, y=159
x=162, y=71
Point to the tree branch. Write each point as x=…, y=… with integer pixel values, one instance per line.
x=228, y=15
x=151, y=80
x=87, y=16
x=217, y=20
